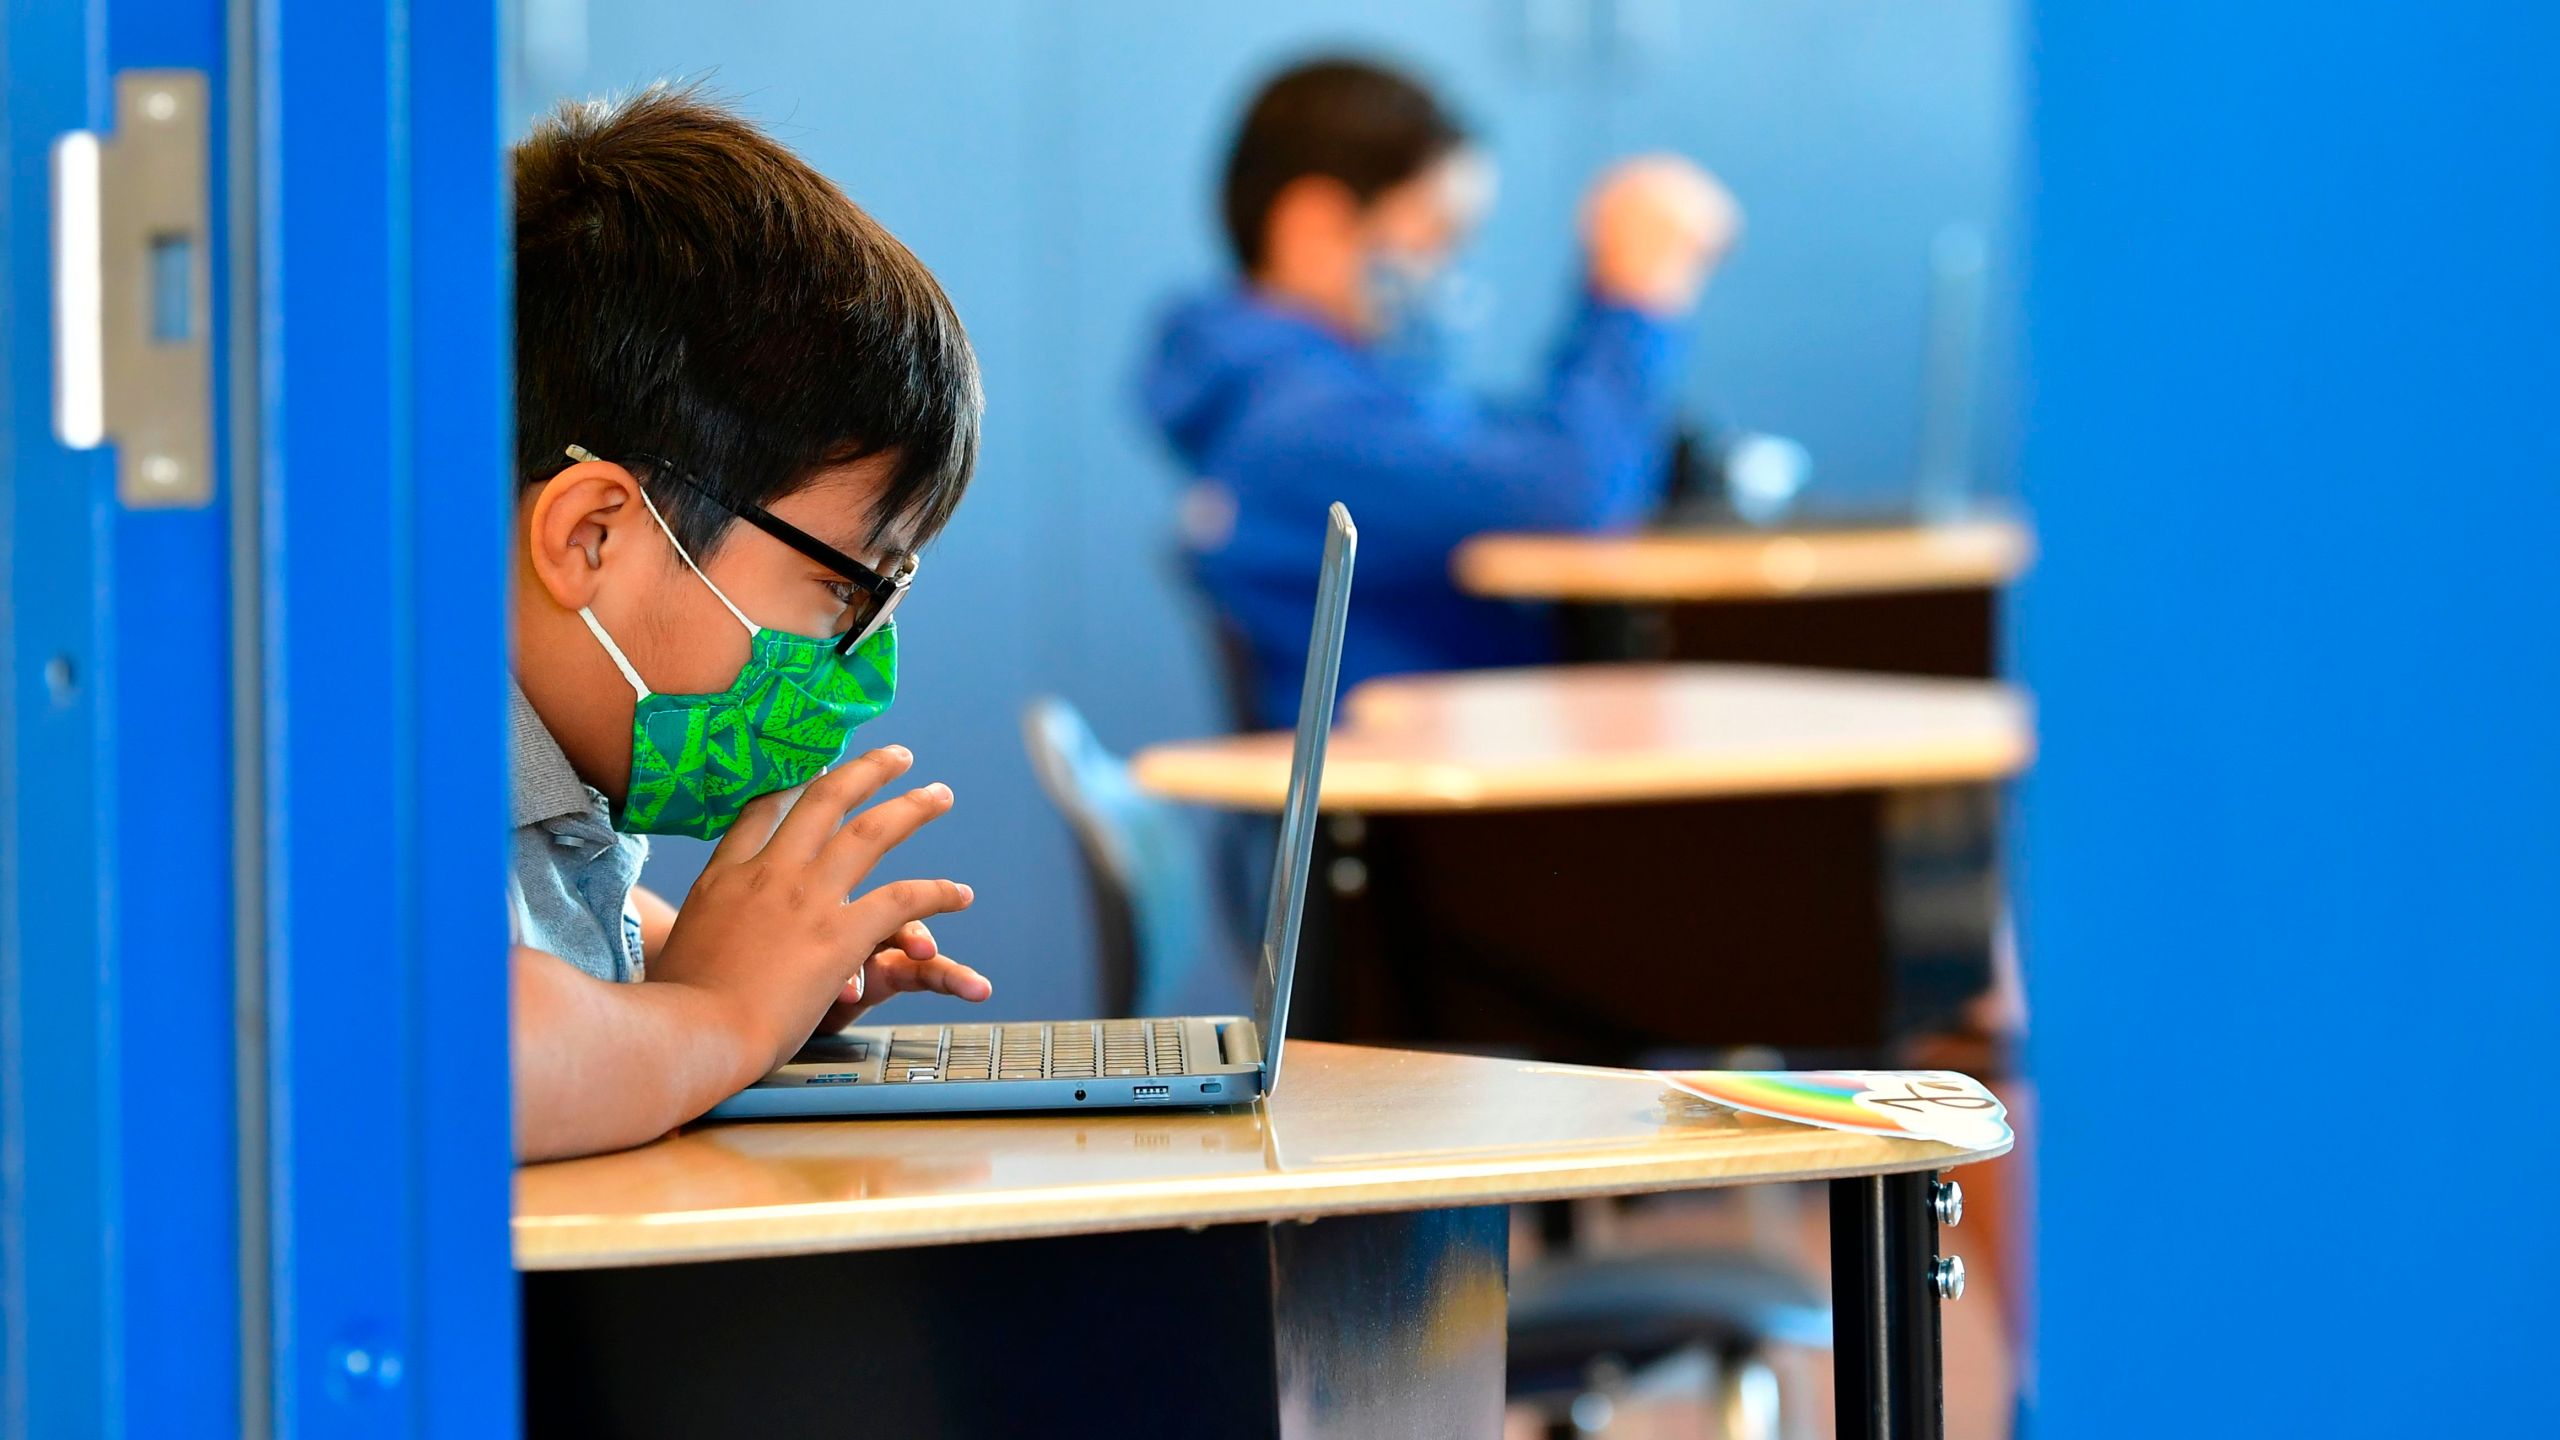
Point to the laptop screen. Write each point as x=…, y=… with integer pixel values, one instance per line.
x=1279, y=959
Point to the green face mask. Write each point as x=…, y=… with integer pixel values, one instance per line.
x=696, y=760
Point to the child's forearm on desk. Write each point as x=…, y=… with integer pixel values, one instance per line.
x=600, y=1066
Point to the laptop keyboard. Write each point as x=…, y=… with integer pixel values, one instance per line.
x=1080, y=1051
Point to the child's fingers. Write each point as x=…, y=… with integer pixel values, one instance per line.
x=894, y=906
x=950, y=977
x=834, y=795
x=850, y=853
x=746, y=835
x=894, y=972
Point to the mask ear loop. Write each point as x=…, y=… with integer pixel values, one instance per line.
x=595, y=627
x=669, y=531
x=582, y=454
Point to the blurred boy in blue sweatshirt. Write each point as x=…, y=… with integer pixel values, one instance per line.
x=1320, y=375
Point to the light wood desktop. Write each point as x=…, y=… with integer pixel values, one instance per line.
x=1352, y=1129
x=1744, y=565
x=1507, y=739
x=1352, y=1222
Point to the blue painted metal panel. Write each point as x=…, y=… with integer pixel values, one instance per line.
x=169, y=785
x=2290, y=850
x=383, y=262
x=122, y=1262
x=462, y=376
x=60, y=1317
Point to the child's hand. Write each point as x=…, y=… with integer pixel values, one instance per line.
x=910, y=962
x=767, y=931
x=1655, y=226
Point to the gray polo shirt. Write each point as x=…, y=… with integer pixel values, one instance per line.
x=570, y=893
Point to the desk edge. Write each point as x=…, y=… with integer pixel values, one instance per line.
x=828, y=1227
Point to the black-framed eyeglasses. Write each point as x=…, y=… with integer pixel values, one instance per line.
x=881, y=593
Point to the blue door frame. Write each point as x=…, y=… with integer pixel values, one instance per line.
x=388, y=436
x=120, y=1281
x=55, y=1156
x=313, y=663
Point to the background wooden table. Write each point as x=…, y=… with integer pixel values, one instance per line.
x=1584, y=735
x=1599, y=863
x=1920, y=599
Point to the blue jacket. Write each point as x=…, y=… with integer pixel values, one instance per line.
x=1285, y=416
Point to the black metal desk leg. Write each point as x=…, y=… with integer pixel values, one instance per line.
x=1885, y=1285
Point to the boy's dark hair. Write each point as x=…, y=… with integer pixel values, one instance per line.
x=687, y=289
x=1362, y=124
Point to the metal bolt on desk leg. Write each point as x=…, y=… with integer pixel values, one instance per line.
x=1948, y=1276
x=1947, y=1197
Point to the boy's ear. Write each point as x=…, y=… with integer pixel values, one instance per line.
x=1312, y=216
x=572, y=524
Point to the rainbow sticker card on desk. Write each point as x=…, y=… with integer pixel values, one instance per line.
x=1916, y=1104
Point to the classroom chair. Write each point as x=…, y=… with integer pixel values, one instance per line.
x=1153, y=915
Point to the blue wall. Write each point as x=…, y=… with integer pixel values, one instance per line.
x=2292, y=848
x=1053, y=164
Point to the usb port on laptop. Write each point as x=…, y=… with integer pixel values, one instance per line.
x=1151, y=1092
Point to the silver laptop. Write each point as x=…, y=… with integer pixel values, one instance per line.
x=1099, y=1064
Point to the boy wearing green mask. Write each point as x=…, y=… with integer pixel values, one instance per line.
x=742, y=409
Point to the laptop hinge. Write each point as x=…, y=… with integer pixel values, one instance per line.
x=1239, y=1043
